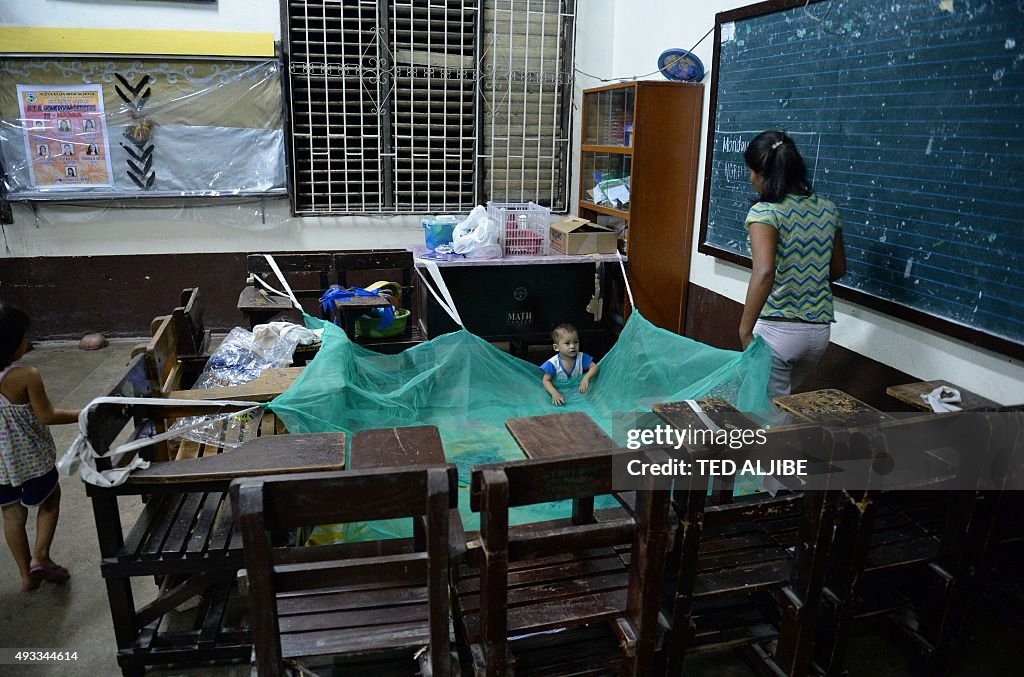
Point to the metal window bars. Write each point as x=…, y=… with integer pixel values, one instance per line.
x=415, y=107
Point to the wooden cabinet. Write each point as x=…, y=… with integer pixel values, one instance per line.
x=638, y=171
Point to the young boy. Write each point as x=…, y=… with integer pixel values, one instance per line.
x=568, y=363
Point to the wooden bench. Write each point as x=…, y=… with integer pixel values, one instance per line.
x=747, y=571
x=310, y=603
x=160, y=354
x=557, y=575
x=178, y=349
x=184, y=533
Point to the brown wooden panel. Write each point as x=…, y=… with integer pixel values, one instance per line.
x=269, y=384
x=911, y=393
x=346, y=599
x=557, y=434
x=396, y=447
x=354, y=640
x=399, y=612
x=118, y=295
x=563, y=612
x=261, y=456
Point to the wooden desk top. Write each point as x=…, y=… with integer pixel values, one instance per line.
x=270, y=384
x=396, y=447
x=251, y=299
x=558, y=434
x=720, y=411
x=911, y=393
x=261, y=456
x=830, y=407
x=361, y=302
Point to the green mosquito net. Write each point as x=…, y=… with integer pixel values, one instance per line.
x=468, y=388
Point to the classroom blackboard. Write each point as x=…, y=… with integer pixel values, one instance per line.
x=910, y=116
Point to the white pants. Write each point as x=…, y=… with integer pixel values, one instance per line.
x=796, y=349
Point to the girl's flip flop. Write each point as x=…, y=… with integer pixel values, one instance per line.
x=51, y=573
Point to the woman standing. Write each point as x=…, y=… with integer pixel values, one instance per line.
x=796, y=245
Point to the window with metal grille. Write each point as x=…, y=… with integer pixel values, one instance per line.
x=426, y=107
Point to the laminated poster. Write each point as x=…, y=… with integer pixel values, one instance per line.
x=65, y=136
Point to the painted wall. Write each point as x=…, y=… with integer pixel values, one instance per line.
x=642, y=31
x=615, y=39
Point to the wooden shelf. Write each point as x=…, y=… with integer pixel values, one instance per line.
x=616, y=150
x=604, y=210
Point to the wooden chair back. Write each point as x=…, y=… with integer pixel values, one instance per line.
x=384, y=261
x=284, y=582
x=107, y=421
x=193, y=336
x=161, y=354
x=508, y=554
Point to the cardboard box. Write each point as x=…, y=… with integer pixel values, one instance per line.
x=574, y=235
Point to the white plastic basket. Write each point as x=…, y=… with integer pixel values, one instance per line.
x=522, y=227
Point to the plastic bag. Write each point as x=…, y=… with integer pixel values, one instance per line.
x=240, y=358
x=477, y=236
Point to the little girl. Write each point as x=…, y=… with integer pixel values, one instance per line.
x=28, y=477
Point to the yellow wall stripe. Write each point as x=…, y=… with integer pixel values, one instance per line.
x=19, y=40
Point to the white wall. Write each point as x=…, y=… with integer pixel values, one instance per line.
x=642, y=31
x=615, y=39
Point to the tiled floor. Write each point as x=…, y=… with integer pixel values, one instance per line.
x=75, y=616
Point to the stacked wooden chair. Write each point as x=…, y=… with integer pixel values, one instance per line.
x=378, y=613
x=184, y=536
x=308, y=275
x=747, y=572
x=363, y=267
x=911, y=551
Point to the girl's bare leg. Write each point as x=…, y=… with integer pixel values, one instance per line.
x=15, y=518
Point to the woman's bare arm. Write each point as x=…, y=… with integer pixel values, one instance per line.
x=763, y=241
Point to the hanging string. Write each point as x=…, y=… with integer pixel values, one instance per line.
x=644, y=75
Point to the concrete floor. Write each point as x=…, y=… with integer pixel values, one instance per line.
x=75, y=616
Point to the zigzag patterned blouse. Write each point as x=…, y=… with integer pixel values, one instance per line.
x=807, y=226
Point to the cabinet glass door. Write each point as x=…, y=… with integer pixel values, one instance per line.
x=609, y=118
x=606, y=179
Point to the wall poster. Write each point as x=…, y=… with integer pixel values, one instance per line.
x=65, y=136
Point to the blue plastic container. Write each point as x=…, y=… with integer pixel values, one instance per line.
x=437, y=230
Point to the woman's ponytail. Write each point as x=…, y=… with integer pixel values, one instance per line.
x=775, y=158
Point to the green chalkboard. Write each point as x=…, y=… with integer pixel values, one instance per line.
x=910, y=115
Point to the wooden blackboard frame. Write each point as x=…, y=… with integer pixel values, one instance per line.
x=941, y=325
